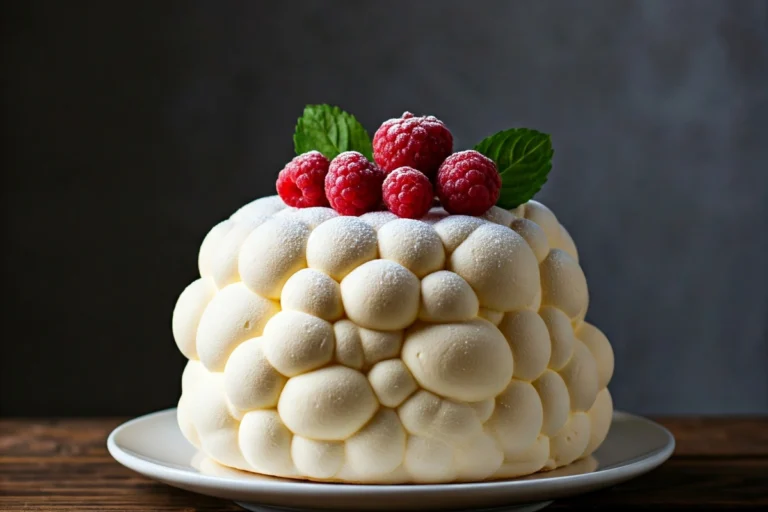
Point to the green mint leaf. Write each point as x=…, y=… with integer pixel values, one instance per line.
x=524, y=159
x=331, y=131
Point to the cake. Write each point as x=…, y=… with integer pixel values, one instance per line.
x=381, y=349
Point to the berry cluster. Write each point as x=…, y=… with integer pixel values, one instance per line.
x=413, y=162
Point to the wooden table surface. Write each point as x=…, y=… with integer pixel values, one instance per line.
x=63, y=464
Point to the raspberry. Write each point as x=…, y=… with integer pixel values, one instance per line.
x=353, y=184
x=301, y=182
x=468, y=183
x=408, y=193
x=418, y=142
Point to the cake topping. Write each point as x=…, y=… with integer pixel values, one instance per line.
x=408, y=193
x=505, y=169
x=353, y=184
x=418, y=142
x=468, y=183
x=523, y=158
x=331, y=131
x=302, y=182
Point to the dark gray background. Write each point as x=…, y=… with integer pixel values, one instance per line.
x=133, y=127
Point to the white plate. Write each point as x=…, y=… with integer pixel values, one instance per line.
x=153, y=446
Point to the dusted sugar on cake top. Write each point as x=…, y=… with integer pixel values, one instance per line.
x=379, y=349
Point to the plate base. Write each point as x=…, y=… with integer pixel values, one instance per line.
x=527, y=507
x=154, y=446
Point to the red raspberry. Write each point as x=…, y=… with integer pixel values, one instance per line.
x=419, y=142
x=468, y=183
x=353, y=184
x=301, y=182
x=408, y=193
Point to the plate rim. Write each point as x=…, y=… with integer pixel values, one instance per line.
x=605, y=477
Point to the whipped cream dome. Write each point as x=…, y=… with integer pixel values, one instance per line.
x=375, y=349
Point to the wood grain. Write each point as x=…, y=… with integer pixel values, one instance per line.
x=63, y=465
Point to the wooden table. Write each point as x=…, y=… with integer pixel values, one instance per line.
x=63, y=464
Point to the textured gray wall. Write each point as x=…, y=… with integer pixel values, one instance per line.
x=658, y=112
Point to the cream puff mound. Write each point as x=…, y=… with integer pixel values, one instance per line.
x=375, y=349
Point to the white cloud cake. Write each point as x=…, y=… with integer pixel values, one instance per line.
x=375, y=349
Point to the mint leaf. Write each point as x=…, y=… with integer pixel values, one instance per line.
x=524, y=159
x=331, y=131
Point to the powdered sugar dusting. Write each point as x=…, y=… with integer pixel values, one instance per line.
x=288, y=211
x=381, y=295
x=378, y=219
x=435, y=214
x=315, y=216
x=290, y=239
x=454, y=229
x=314, y=292
x=413, y=244
x=349, y=233
x=448, y=281
x=340, y=244
x=447, y=297
x=499, y=216
x=393, y=275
